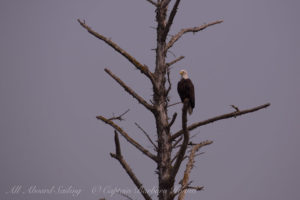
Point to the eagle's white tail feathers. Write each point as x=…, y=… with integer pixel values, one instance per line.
x=190, y=110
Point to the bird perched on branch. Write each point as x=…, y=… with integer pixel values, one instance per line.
x=185, y=88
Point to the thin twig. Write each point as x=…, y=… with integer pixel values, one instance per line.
x=128, y=138
x=187, y=30
x=176, y=156
x=174, y=104
x=225, y=116
x=130, y=91
x=175, y=61
x=235, y=107
x=152, y=2
x=147, y=135
x=120, y=117
x=176, y=143
x=173, y=120
x=194, y=135
x=199, y=154
x=197, y=188
x=173, y=54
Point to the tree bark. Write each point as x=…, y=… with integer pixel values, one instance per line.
x=161, y=114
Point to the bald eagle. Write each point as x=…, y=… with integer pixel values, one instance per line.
x=185, y=90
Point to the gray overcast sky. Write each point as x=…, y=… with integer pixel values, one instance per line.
x=52, y=85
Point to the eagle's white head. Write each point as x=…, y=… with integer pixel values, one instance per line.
x=184, y=74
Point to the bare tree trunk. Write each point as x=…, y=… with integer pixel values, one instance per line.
x=161, y=115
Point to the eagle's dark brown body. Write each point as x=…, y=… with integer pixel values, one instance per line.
x=185, y=89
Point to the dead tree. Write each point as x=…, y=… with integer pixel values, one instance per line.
x=167, y=142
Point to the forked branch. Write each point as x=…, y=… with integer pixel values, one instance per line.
x=143, y=69
x=188, y=30
x=118, y=156
x=128, y=138
x=189, y=167
x=220, y=117
x=130, y=91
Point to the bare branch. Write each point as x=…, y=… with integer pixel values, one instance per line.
x=176, y=156
x=152, y=2
x=143, y=69
x=197, y=188
x=117, y=143
x=128, y=138
x=120, y=117
x=147, y=135
x=176, y=143
x=118, y=156
x=173, y=120
x=174, y=61
x=221, y=117
x=169, y=81
x=174, y=104
x=133, y=177
x=194, y=135
x=182, y=150
x=171, y=18
x=172, y=53
x=187, y=30
x=189, y=167
x=130, y=91
x=235, y=107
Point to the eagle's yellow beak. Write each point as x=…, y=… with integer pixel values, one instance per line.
x=181, y=72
